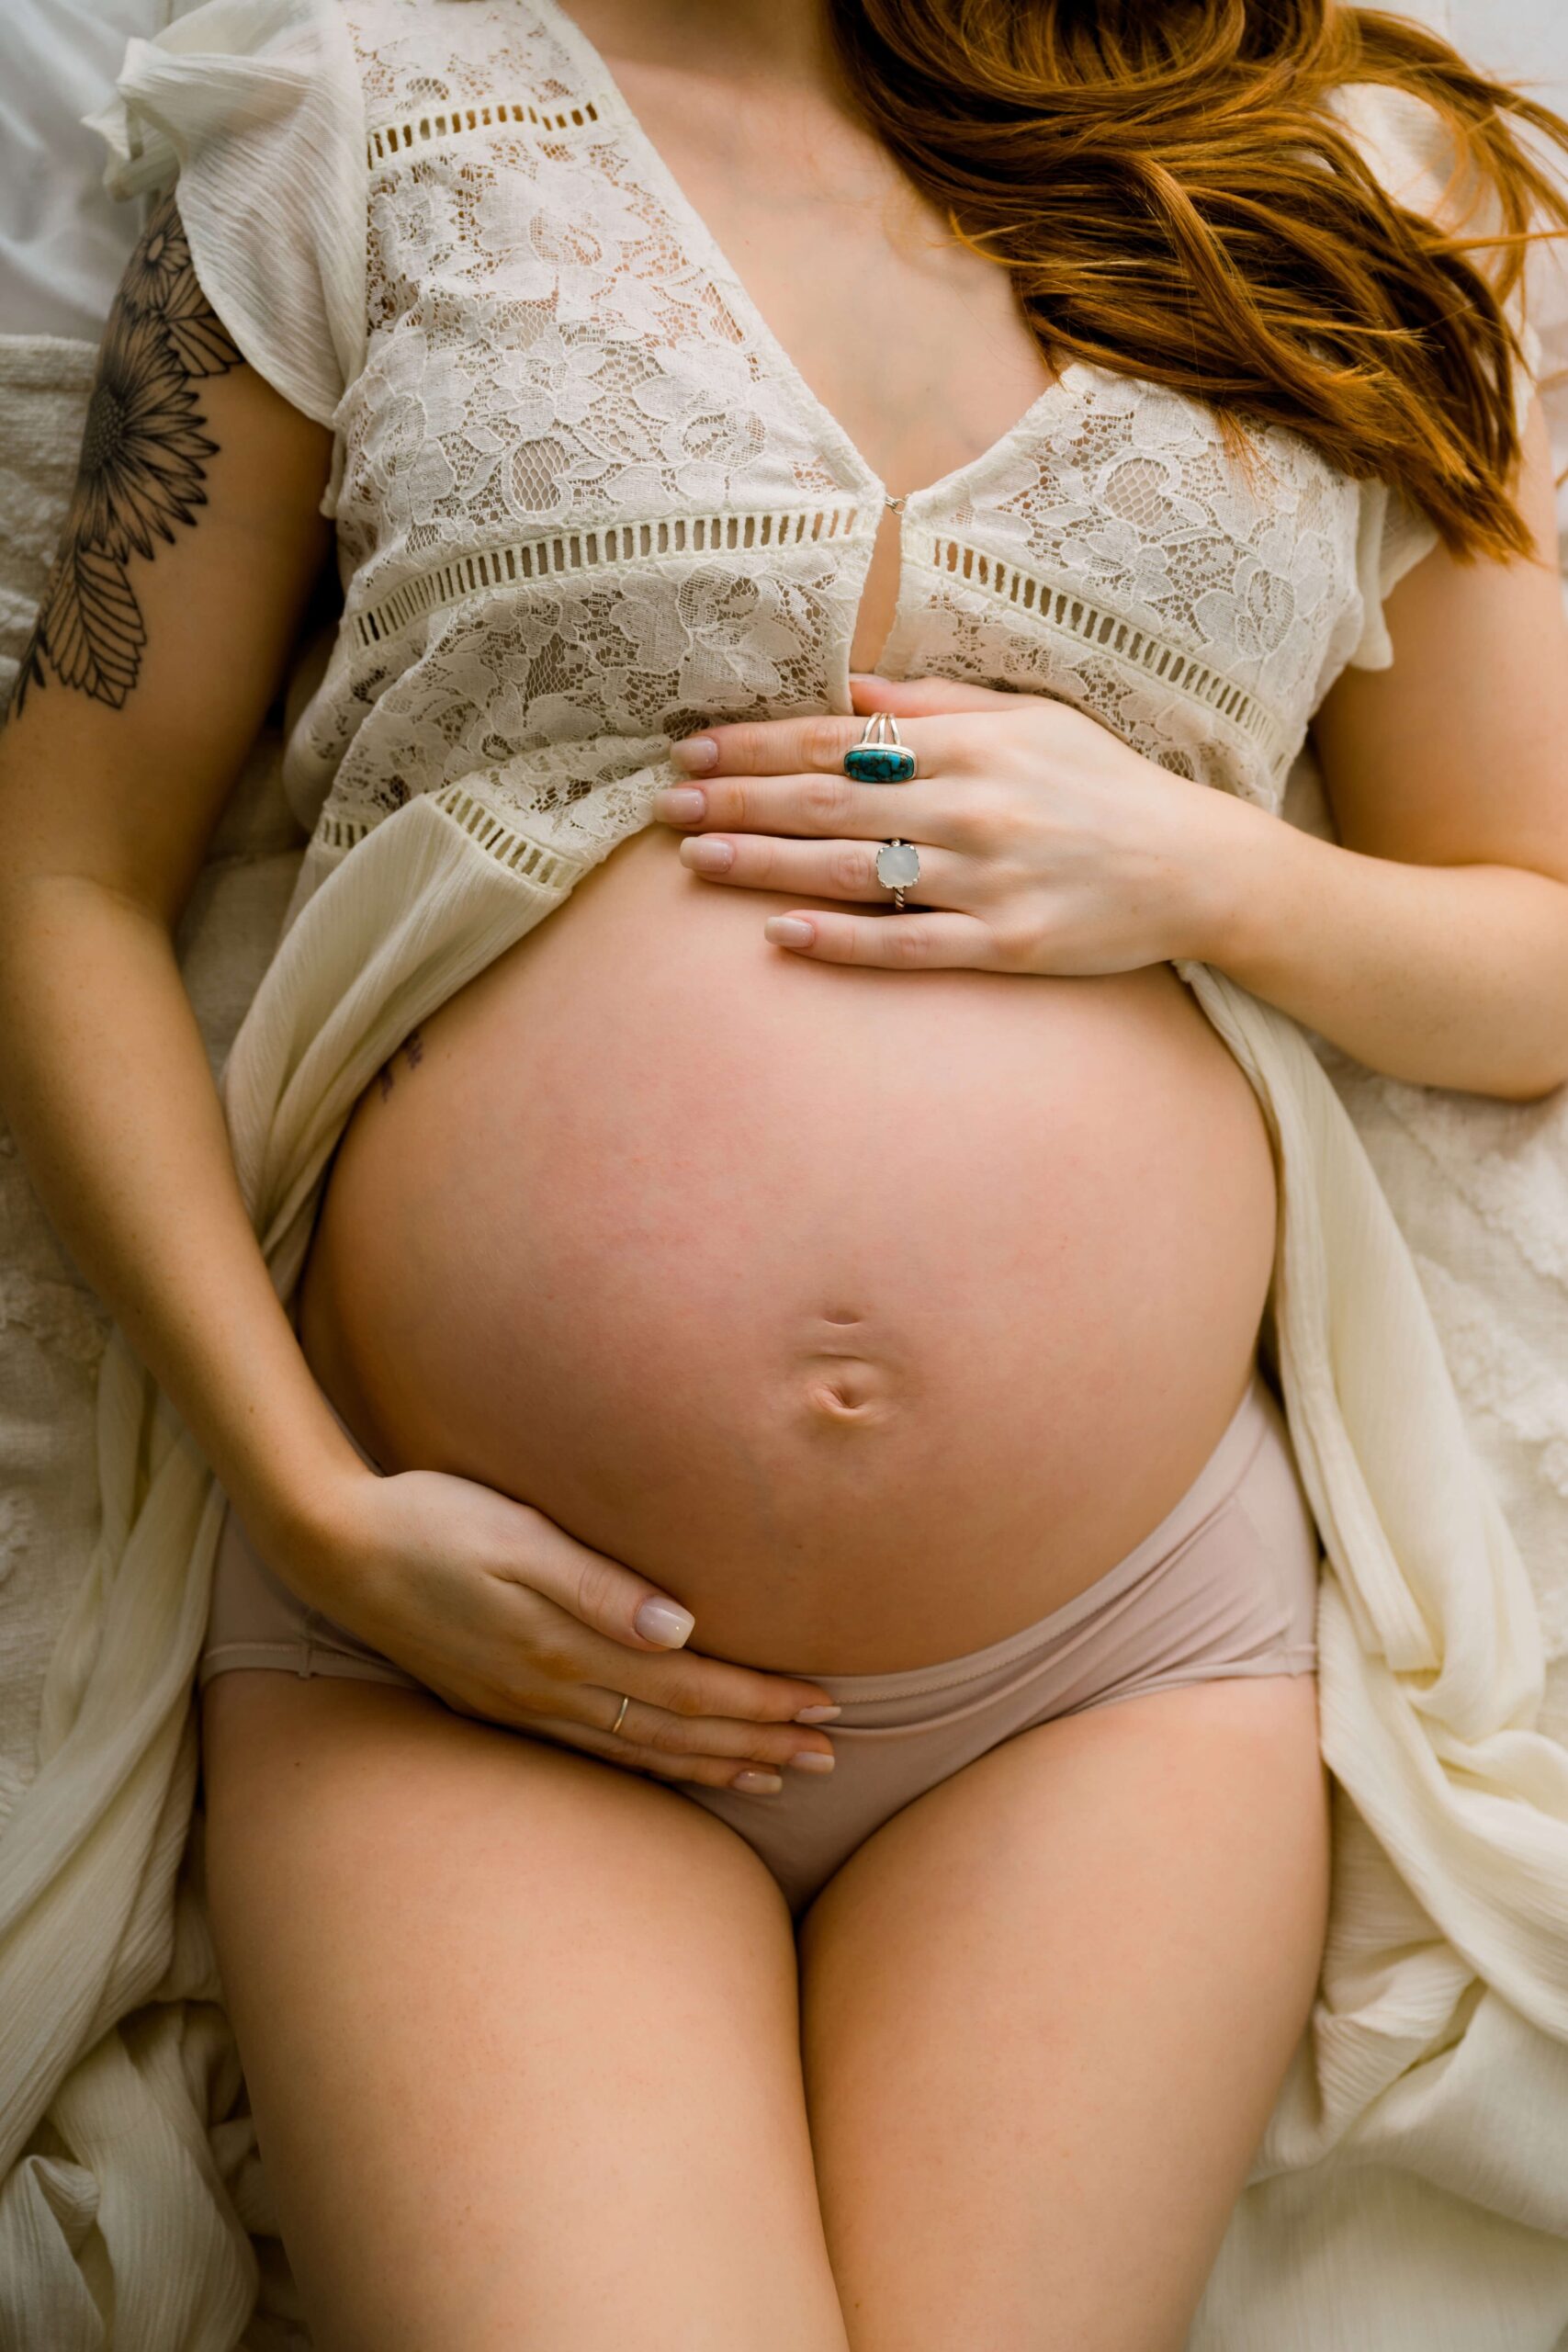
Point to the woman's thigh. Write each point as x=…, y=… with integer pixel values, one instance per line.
x=521, y=2032
x=1046, y=2011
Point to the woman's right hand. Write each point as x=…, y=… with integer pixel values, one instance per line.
x=507, y=1618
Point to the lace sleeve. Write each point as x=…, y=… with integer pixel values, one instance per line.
x=256, y=108
x=1409, y=148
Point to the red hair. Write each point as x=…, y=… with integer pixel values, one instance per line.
x=1175, y=199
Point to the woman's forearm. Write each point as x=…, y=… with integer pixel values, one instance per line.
x=106, y=1083
x=1444, y=975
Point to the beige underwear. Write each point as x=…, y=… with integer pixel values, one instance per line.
x=1226, y=1585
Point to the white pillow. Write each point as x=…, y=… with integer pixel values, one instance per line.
x=63, y=241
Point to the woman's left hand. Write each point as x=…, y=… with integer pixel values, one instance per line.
x=1047, y=845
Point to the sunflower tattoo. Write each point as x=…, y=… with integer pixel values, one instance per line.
x=140, y=470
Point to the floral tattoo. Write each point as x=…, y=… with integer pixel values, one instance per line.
x=140, y=470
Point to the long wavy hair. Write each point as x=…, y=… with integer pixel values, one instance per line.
x=1174, y=198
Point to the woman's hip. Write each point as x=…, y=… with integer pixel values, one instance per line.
x=1225, y=1586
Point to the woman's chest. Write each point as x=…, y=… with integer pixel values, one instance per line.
x=589, y=493
x=906, y=336
x=911, y=341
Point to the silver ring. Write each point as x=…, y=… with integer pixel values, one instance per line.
x=620, y=1719
x=898, y=868
x=881, y=756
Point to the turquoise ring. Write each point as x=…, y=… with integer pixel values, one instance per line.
x=879, y=757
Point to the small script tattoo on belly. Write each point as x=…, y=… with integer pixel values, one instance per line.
x=413, y=1051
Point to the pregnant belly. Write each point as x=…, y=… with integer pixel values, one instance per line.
x=871, y=1314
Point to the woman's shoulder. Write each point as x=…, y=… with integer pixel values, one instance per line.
x=447, y=57
x=201, y=78
x=234, y=70
x=1414, y=152
x=269, y=113
x=252, y=112
x=1424, y=167
x=1403, y=137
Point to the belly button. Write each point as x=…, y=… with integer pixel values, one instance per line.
x=852, y=1391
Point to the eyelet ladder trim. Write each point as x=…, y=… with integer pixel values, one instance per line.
x=1075, y=616
x=605, y=543
x=341, y=832
x=395, y=138
x=505, y=843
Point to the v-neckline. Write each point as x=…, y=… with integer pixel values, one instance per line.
x=704, y=246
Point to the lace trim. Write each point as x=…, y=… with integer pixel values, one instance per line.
x=394, y=138
x=604, y=543
x=509, y=847
x=340, y=832
x=506, y=843
x=1065, y=609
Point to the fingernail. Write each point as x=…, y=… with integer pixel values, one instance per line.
x=662, y=1621
x=758, y=1784
x=809, y=1759
x=708, y=856
x=788, y=930
x=677, y=804
x=817, y=1715
x=696, y=753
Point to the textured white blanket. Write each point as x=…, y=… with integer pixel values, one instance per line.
x=52, y=1328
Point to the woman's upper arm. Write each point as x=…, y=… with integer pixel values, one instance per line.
x=192, y=541
x=1458, y=754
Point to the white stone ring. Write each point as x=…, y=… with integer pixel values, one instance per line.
x=882, y=757
x=898, y=868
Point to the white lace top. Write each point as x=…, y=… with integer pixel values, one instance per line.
x=583, y=501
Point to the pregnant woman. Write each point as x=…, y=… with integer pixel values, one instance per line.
x=764, y=1783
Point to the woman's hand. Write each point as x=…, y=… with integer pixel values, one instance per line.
x=1047, y=844
x=507, y=1618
